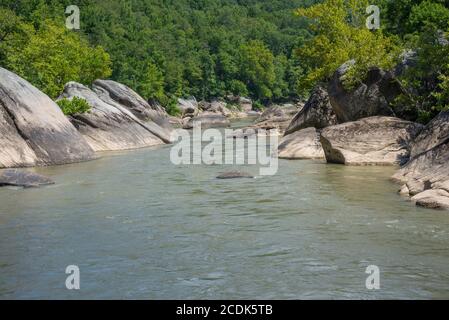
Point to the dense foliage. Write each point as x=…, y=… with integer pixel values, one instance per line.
x=270, y=50
x=73, y=106
x=416, y=26
x=423, y=26
x=171, y=48
x=48, y=55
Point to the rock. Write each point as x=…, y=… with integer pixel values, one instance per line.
x=109, y=126
x=208, y=120
x=234, y=175
x=188, y=107
x=316, y=113
x=369, y=141
x=426, y=175
x=117, y=94
x=371, y=98
x=434, y=133
x=128, y=98
x=33, y=129
x=248, y=132
x=245, y=104
x=20, y=178
x=277, y=117
x=432, y=199
x=302, y=144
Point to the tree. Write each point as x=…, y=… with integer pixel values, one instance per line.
x=256, y=65
x=152, y=84
x=52, y=56
x=340, y=36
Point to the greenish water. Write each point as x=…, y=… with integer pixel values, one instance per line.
x=139, y=227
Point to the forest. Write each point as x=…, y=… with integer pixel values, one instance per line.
x=269, y=50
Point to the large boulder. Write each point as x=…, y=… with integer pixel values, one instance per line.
x=128, y=98
x=33, y=129
x=302, y=144
x=20, y=178
x=426, y=176
x=121, y=96
x=370, y=98
x=369, y=141
x=317, y=113
x=109, y=126
x=208, y=120
x=188, y=107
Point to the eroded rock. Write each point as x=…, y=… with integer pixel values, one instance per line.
x=33, y=129
x=370, y=98
x=302, y=144
x=109, y=126
x=369, y=141
x=317, y=113
x=426, y=175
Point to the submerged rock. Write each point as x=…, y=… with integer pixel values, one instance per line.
x=234, y=175
x=317, y=113
x=426, y=176
x=302, y=144
x=369, y=141
x=109, y=126
x=33, y=129
x=20, y=178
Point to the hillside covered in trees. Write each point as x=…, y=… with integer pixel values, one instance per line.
x=270, y=50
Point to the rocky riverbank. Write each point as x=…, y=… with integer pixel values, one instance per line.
x=358, y=127
x=349, y=127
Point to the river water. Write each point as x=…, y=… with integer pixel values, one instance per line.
x=139, y=227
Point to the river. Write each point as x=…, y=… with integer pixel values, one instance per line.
x=139, y=227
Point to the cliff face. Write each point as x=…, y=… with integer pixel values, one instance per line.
x=33, y=129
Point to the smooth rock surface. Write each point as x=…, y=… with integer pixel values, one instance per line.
x=208, y=120
x=33, y=129
x=106, y=126
x=20, y=178
x=369, y=141
x=317, y=113
x=302, y=144
x=154, y=116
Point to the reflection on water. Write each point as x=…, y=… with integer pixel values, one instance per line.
x=139, y=227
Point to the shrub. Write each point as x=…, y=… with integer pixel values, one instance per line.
x=172, y=107
x=74, y=106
